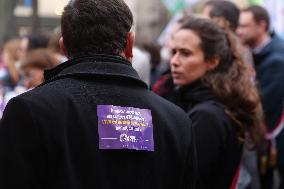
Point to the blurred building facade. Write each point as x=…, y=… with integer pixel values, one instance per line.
x=151, y=16
x=6, y=18
x=18, y=17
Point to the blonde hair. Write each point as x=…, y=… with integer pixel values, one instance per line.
x=11, y=48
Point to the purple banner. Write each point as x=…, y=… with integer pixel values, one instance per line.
x=125, y=128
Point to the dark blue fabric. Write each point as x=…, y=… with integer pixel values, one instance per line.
x=269, y=64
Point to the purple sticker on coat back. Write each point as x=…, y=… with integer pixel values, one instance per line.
x=125, y=128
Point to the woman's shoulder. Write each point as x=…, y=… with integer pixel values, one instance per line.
x=210, y=121
x=212, y=115
x=209, y=108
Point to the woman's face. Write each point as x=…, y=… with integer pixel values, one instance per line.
x=5, y=56
x=187, y=62
x=22, y=51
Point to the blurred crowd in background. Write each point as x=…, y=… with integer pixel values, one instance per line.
x=23, y=59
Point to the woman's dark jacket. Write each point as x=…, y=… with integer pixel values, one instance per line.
x=218, y=149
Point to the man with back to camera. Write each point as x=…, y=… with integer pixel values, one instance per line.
x=269, y=65
x=93, y=123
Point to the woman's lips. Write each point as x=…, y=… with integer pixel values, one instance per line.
x=176, y=74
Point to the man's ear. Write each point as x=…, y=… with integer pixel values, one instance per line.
x=129, y=46
x=212, y=64
x=263, y=25
x=62, y=47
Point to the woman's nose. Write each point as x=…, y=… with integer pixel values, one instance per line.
x=174, y=60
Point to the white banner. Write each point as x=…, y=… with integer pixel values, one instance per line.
x=276, y=11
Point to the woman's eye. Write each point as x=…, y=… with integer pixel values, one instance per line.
x=174, y=51
x=185, y=53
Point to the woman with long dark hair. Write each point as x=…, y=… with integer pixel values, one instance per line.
x=215, y=88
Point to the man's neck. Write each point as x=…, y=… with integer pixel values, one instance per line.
x=262, y=41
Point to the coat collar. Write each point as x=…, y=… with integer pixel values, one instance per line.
x=275, y=46
x=95, y=65
x=193, y=94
